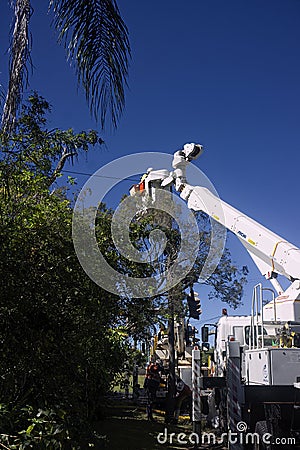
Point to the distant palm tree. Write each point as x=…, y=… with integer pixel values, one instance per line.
x=96, y=40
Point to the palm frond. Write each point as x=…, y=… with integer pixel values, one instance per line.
x=19, y=57
x=96, y=39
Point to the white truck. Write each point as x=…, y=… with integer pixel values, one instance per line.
x=256, y=372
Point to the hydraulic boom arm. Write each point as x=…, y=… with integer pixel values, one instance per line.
x=272, y=254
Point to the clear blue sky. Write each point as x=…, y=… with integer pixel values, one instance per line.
x=222, y=73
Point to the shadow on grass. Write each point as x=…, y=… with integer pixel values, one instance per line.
x=126, y=428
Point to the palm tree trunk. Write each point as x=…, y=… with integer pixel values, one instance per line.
x=20, y=53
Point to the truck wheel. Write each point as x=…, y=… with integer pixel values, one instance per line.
x=261, y=429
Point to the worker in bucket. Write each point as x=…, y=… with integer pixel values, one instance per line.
x=151, y=385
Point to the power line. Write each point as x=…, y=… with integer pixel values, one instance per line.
x=209, y=320
x=101, y=176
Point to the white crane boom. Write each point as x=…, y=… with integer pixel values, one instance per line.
x=271, y=253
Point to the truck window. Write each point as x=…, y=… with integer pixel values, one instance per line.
x=238, y=333
x=247, y=333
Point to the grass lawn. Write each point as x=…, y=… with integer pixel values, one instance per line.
x=127, y=428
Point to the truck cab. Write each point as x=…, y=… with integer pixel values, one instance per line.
x=230, y=328
x=245, y=331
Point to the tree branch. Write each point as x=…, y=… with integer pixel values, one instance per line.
x=60, y=165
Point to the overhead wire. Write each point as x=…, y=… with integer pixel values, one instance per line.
x=101, y=176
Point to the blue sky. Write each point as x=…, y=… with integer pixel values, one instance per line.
x=225, y=74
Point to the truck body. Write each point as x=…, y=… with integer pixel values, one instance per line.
x=255, y=377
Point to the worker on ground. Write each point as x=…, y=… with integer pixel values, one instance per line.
x=183, y=392
x=151, y=385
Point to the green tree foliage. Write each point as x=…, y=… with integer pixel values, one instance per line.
x=226, y=281
x=137, y=317
x=42, y=151
x=60, y=346
x=63, y=338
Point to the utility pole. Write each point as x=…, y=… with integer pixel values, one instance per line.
x=170, y=407
x=135, y=374
x=196, y=399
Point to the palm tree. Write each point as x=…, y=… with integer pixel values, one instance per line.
x=96, y=40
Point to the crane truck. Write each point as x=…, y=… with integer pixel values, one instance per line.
x=256, y=370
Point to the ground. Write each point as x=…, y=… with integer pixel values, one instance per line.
x=126, y=427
